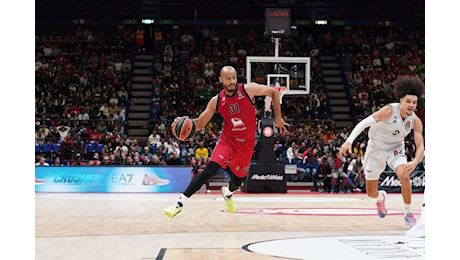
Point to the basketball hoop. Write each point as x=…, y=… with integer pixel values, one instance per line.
x=282, y=91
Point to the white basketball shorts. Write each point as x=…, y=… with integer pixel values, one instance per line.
x=375, y=160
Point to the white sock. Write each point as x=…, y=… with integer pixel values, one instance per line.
x=227, y=192
x=182, y=198
x=380, y=197
x=407, y=207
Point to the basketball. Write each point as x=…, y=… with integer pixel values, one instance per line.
x=183, y=128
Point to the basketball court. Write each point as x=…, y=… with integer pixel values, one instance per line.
x=293, y=225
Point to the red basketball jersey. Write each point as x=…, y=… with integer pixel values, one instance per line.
x=238, y=112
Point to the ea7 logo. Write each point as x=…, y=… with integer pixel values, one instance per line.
x=122, y=178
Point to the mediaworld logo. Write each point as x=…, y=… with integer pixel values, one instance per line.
x=267, y=177
x=392, y=181
x=78, y=179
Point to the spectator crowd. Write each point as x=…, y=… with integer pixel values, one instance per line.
x=83, y=82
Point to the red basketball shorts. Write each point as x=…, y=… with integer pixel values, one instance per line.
x=235, y=154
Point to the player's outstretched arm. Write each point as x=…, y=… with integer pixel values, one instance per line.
x=255, y=89
x=381, y=114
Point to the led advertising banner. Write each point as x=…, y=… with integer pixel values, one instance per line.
x=112, y=179
x=389, y=182
x=266, y=178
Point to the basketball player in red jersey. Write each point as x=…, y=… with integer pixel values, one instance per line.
x=235, y=146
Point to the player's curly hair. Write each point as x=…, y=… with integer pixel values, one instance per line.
x=408, y=85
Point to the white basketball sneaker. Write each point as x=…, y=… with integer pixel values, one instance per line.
x=154, y=180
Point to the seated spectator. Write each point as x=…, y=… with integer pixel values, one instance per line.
x=121, y=147
x=356, y=178
x=127, y=141
x=113, y=101
x=67, y=145
x=199, y=169
x=129, y=160
x=155, y=138
x=290, y=152
x=53, y=136
x=301, y=171
x=115, y=157
x=201, y=151
x=174, y=147
x=135, y=147
x=155, y=160
x=137, y=160
x=123, y=159
x=43, y=133
x=309, y=163
x=95, y=135
x=161, y=152
x=145, y=160
x=337, y=172
x=104, y=110
x=78, y=160
x=57, y=162
x=95, y=160
x=174, y=159
x=147, y=153
x=106, y=160
x=42, y=162
x=79, y=145
x=321, y=174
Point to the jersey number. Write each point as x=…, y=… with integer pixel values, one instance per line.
x=234, y=108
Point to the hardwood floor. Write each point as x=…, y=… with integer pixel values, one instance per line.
x=133, y=226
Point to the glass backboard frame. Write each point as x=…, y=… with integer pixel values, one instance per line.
x=275, y=60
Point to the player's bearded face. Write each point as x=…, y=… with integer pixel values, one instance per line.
x=229, y=83
x=230, y=87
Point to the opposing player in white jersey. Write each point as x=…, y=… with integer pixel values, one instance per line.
x=388, y=128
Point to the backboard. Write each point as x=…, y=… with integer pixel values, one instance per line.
x=292, y=73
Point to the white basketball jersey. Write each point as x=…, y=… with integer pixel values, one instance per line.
x=390, y=133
